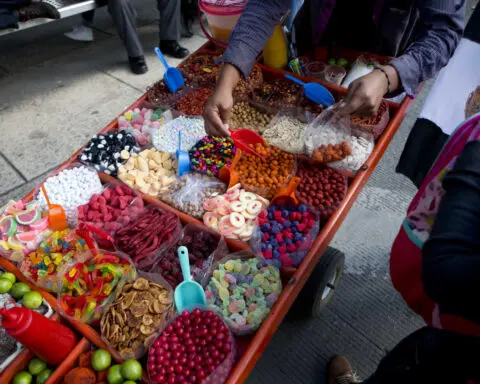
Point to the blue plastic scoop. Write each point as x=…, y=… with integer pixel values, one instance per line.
x=172, y=77
x=189, y=294
x=183, y=159
x=315, y=92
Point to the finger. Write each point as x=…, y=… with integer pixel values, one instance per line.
x=350, y=106
x=214, y=124
x=225, y=114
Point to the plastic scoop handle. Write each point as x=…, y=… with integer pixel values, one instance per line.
x=161, y=57
x=295, y=80
x=46, y=195
x=184, y=262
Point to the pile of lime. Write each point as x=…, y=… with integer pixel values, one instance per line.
x=20, y=291
x=37, y=369
x=127, y=373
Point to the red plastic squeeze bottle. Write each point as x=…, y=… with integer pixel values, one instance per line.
x=48, y=339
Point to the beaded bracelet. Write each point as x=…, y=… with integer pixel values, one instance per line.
x=389, y=84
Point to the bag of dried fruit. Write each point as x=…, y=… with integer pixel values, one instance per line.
x=204, y=247
x=133, y=321
x=243, y=290
x=204, y=336
x=328, y=138
x=87, y=285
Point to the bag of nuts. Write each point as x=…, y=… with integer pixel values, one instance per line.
x=328, y=138
x=287, y=131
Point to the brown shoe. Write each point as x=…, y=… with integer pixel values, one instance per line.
x=339, y=371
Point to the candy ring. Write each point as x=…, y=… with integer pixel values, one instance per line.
x=249, y=216
x=237, y=206
x=237, y=220
x=209, y=205
x=210, y=220
x=239, y=230
x=236, y=187
x=254, y=207
x=223, y=208
x=232, y=194
x=225, y=226
x=246, y=197
x=264, y=201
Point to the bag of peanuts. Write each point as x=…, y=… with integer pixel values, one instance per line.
x=204, y=246
x=191, y=191
x=328, y=138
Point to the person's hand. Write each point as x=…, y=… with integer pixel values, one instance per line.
x=218, y=111
x=366, y=93
x=219, y=107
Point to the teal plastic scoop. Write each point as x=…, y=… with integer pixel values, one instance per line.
x=189, y=294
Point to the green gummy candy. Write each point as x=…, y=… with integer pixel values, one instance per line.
x=230, y=265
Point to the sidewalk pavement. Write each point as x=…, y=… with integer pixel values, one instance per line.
x=56, y=93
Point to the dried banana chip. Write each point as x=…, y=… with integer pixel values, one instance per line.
x=146, y=330
x=139, y=308
x=128, y=300
x=157, y=306
x=141, y=284
x=147, y=320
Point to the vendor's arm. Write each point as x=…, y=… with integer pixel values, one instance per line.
x=439, y=30
x=247, y=40
x=451, y=257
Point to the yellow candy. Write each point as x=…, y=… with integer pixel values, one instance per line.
x=128, y=115
x=47, y=261
x=4, y=245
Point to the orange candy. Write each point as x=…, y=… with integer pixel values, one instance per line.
x=265, y=176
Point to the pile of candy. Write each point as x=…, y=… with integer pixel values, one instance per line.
x=196, y=347
x=286, y=233
x=88, y=287
x=201, y=247
x=321, y=189
x=141, y=123
x=152, y=230
x=150, y=171
x=325, y=154
x=141, y=308
x=244, y=292
x=103, y=151
x=43, y=264
x=22, y=228
x=112, y=209
x=193, y=102
x=211, y=153
x=266, y=176
x=201, y=69
x=277, y=94
x=166, y=138
x=159, y=94
x=234, y=214
x=70, y=188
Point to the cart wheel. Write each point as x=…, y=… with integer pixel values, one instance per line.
x=321, y=285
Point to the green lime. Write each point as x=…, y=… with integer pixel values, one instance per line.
x=36, y=365
x=22, y=378
x=332, y=61
x=19, y=289
x=101, y=360
x=342, y=62
x=8, y=276
x=32, y=300
x=43, y=376
x=5, y=285
x=132, y=370
x=114, y=374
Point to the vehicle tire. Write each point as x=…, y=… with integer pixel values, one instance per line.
x=321, y=285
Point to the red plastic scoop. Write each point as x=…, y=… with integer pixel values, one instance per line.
x=243, y=138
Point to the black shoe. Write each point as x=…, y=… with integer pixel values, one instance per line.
x=38, y=10
x=138, y=65
x=173, y=49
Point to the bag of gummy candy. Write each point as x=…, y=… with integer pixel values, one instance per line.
x=222, y=349
x=243, y=289
x=285, y=233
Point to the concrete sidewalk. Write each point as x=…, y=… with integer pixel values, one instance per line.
x=56, y=93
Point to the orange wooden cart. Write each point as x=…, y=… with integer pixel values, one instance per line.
x=329, y=268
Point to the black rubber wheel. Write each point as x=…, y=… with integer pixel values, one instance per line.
x=321, y=285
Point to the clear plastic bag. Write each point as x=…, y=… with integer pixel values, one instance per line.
x=287, y=131
x=328, y=138
x=196, y=189
x=285, y=233
x=204, y=247
x=375, y=124
x=23, y=226
x=361, y=67
x=43, y=265
x=146, y=238
x=243, y=291
x=222, y=359
x=362, y=146
x=133, y=321
x=88, y=285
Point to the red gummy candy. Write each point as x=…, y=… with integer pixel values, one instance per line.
x=277, y=215
x=262, y=214
x=301, y=227
x=90, y=215
x=268, y=254
x=107, y=194
x=286, y=261
x=291, y=248
x=282, y=249
x=288, y=235
x=102, y=201
x=127, y=190
x=107, y=217
x=94, y=205
x=119, y=190
x=279, y=237
x=310, y=223
x=266, y=236
x=123, y=202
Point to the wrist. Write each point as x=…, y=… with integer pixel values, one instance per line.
x=392, y=77
x=229, y=78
